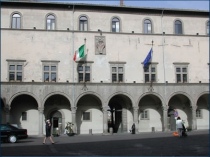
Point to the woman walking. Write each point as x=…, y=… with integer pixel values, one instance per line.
x=48, y=132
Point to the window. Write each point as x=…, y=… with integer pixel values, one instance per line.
x=86, y=116
x=117, y=72
x=147, y=26
x=150, y=73
x=145, y=114
x=83, y=23
x=207, y=28
x=24, y=116
x=181, y=73
x=84, y=71
x=50, y=22
x=115, y=25
x=198, y=113
x=50, y=70
x=16, y=21
x=15, y=70
x=178, y=27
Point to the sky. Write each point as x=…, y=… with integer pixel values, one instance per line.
x=174, y=4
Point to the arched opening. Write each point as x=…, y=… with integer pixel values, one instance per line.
x=120, y=117
x=182, y=105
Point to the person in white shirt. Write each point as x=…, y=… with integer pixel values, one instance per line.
x=179, y=126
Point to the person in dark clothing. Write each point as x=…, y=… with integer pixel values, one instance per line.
x=133, y=128
x=184, y=134
x=48, y=132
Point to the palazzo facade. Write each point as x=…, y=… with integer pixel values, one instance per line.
x=110, y=87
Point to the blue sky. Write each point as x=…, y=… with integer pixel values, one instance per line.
x=177, y=4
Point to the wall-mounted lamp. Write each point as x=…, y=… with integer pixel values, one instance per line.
x=67, y=81
x=101, y=81
x=132, y=31
x=199, y=81
x=67, y=29
x=134, y=81
x=163, y=32
x=166, y=81
x=34, y=27
x=32, y=80
x=197, y=33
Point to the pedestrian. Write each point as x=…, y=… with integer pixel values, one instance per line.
x=48, y=132
x=179, y=126
x=176, y=113
x=133, y=128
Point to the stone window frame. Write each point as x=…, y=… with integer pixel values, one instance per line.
x=182, y=27
x=145, y=31
x=46, y=21
x=181, y=66
x=83, y=64
x=145, y=115
x=15, y=63
x=148, y=71
x=111, y=23
x=82, y=115
x=199, y=114
x=24, y=116
x=20, y=21
x=117, y=65
x=50, y=64
x=79, y=22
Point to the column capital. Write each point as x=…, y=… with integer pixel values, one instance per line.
x=165, y=108
x=41, y=108
x=135, y=108
x=193, y=108
x=7, y=108
x=73, y=110
x=105, y=108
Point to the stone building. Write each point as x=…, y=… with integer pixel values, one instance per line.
x=110, y=87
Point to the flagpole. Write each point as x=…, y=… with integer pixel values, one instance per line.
x=84, y=87
x=151, y=88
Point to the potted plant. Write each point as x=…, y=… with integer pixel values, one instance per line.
x=69, y=129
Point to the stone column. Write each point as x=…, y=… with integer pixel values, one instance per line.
x=73, y=113
x=194, y=122
x=7, y=113
x=41, y=120
x=135, y=118
x=105, y=119
x=165, y=118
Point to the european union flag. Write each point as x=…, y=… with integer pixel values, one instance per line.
x=147, y=59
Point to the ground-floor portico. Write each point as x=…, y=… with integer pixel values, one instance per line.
x=98, y=107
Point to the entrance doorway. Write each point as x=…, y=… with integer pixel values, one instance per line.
x=56, y=123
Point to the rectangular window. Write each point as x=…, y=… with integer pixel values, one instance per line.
x=145, y=114
x=117, y=73
x=198, y=113
x=50, y=71
x=15, y=70
x=83, y=25
x=115, y=26
x=181, y=74
x=150, y=73
x=86, y=116
x=50, y=24
x=24, y=116
x=84, y=73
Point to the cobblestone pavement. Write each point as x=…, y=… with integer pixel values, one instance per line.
x=142, y=144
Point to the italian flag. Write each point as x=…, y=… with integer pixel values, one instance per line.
x=80, y=53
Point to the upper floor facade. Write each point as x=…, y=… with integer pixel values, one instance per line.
x=39, y=41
